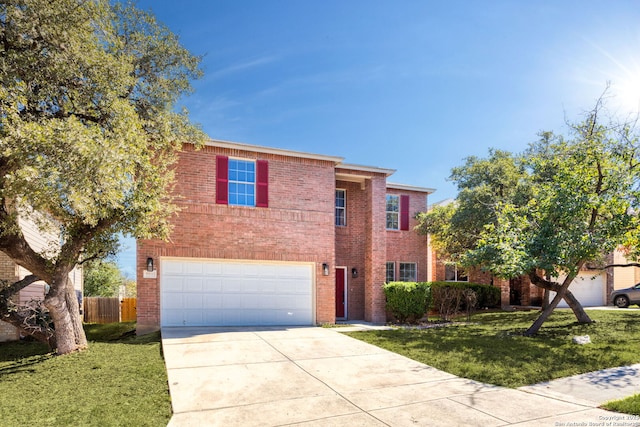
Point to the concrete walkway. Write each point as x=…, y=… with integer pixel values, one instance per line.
x=320, y=377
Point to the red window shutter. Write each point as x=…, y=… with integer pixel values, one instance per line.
x=262, y=184
x=404, y=212
x=222, y=180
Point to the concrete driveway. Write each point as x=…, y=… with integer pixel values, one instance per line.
x=320, y=377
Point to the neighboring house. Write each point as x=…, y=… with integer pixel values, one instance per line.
x=592, y=287
x=267, y=236
x=623, y=277
x=12, y=272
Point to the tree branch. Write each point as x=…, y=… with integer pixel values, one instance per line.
x=629, y=264
x=8, y=291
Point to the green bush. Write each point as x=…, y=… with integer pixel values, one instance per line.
x=408, y=301
x=488, y=296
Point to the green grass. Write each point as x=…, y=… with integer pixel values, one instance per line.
x=119, y=380
x=492, y=349
x=630, y=405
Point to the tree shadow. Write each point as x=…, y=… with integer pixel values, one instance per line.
x=19, y=356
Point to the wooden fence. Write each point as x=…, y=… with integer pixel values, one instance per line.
x=128, y=310
x=109, y=310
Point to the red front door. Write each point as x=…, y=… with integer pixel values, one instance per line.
x=340, y=300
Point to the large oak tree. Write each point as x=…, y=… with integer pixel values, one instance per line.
x=548, y=212
x=88, y=133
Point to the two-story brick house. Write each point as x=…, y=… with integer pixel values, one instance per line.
x=269, y=236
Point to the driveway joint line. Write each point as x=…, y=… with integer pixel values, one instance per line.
x=324, y=383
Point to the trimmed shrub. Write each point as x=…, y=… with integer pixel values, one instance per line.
x=408, y=301
x=487, y=296
x=448, y=300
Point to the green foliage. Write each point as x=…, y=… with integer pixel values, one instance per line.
x=561, y=203
x=407, y=301
x=102, y=279
x=89, y=131
x=456, y=227
x=492, y=349
x=630, y=405
x=488, y=296
x=88, y=128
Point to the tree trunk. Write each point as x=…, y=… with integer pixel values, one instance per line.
x=65, y=313
x=562, y=291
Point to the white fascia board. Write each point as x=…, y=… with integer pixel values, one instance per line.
x=271, y=150
x=405, y=187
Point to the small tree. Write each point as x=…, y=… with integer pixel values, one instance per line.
x=102, y=279
x=548, y=211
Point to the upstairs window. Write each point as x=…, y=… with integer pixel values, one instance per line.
x=242, y=182
x=393, y=212
x=397, y=210
x=341, y=207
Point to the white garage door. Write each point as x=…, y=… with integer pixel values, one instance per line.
x=588, y=289
x=197, y=292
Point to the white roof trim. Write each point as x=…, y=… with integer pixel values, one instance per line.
x=270, y=150
x=405, y=187
x=362, y=168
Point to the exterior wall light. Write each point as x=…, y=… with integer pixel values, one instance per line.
x=149, y=264
x=325, y=269
x=354, y=272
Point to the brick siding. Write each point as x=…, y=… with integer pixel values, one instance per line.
x=408, y=246
x=298, y=225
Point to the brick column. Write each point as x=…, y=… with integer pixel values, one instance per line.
x=505, y=291
x=148, y=289
x=375, y=250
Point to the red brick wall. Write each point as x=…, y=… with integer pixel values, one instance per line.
x=298, y=225
x=407, y=246
x=375, y=250
x=350, y=246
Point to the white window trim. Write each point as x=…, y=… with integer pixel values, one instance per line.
x=394, y=270
x=455, y=274
x=343, y=208
x=255, y=178
x=415, y=264
x=397, y=214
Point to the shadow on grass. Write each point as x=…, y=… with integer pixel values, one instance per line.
x=19, y=356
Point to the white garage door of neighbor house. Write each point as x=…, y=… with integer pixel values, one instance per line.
x=222, y=293
x=588, y=288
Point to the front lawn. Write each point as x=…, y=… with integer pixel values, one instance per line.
x=120, y=380
x=492, y=349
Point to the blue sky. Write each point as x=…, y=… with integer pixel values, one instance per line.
x=415, y=86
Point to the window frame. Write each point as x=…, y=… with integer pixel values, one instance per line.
x=233, y=161
x=261, y=189
x=456, y=275
x=395, y=213
x=415, y=271
x=341, y=208
x=391, y=264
